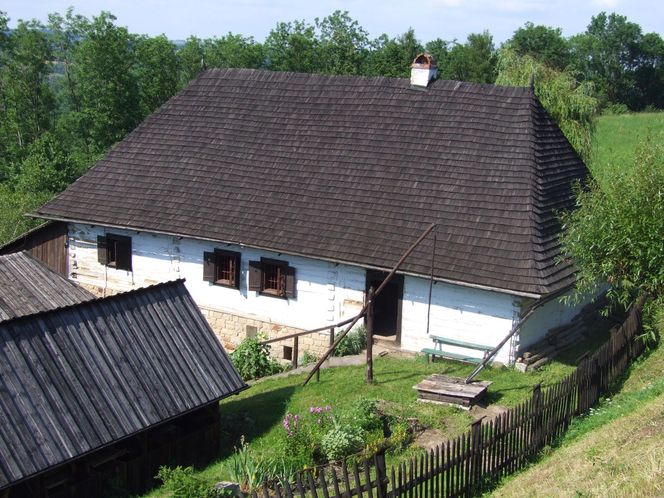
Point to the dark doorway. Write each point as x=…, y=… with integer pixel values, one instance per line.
x=387, y=306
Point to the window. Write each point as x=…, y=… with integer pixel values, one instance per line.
x=222, y=268
x=114, y=251
x=272, y=277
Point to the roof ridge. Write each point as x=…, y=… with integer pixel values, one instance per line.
x=114, y=297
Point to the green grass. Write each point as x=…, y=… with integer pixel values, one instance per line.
x=258, y=412
x=616, y=450
x=616, y=139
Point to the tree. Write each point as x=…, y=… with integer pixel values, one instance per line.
x=292, y=46
x=191, y=60
x=542, y=43
x=473, y=61
x=156, y=72
x=26, y=99
x=233, y=51
x=616, y=233
x=607, y=54
x=393, y=56
x=343, y=44
x=106, y=83
x=572, y=105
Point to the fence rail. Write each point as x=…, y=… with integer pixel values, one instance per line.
x=474, y=461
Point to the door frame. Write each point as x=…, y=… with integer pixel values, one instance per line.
x=372, y=276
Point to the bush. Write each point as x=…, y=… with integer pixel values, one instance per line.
x=615, y=109
x=308, y=358
x=252, y=359
x=363, y=415
x=341, y=442
x=182, y=483
x=244, y=469
x=353, y=343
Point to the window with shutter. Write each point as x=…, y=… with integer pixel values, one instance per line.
x=272, y=277
x=222, y=268
x=114, y=251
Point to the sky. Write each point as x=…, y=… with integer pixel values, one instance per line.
x=431, y=19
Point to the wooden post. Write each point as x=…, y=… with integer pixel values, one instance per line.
x=475, y=482
x=331, y=336
x=537, y=437
x=295, y=351
x=370, y=312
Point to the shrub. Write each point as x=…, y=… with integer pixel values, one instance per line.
x=182, y=483
x=244, y=469
x=252, y=359
x=341, y=442
x=615, y=109
x=363, y=415
x=353, y=343
x=308, y=358
x=401, y=437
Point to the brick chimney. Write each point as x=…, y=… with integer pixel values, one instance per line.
x=423, y=70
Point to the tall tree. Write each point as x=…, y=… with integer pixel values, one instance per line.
x=191, y=60
x=292, y=46
x=27, y=100
x=543, y=43
x=572, y=105
x=393, y=56
x=156, y=72
x=233, y=51
x=106, y=83
x=473, y=61
x=607, y=54
x=343, y=44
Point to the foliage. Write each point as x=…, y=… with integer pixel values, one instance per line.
x=401, y=437
x=543, y=43
x=473, y=61
x=340, y=442
x=571, y=105
x=243, y=468
x=252, y=359
x=353, y=343
x=156, y=71
x=615, y=235
x=183, y=483
x=393, y=56
x=362, y=414
x=308, y=358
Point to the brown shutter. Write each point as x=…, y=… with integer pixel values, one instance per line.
x=255, y=276
x=290, y=281
x=123, y=253
x=236, y=262
x=209, y=266
x=102, y=251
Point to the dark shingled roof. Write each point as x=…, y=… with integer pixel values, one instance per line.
x=81, y=377
x=348, y=169
x=27, y=286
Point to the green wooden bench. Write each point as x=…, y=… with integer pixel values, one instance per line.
x=439, y=342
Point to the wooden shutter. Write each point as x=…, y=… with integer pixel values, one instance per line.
x=255, y=276
x=290, y=281
x=102, y=251
x=209, y=266
x=123, y=253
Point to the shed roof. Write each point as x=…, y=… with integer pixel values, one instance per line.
x=81, y=377
x=348, y=169
x=28, y=286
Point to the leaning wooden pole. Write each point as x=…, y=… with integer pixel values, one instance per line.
x=370, y=326
x=363, y=311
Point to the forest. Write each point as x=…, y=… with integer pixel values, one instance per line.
x=73, y=87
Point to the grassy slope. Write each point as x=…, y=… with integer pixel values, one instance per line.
x=616, y=138
x=617, y=450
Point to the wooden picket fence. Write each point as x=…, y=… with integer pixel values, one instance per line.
x=476, y=460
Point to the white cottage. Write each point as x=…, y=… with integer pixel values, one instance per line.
x=281, y=197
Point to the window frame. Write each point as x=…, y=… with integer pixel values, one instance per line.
x=212, y=268
x=115, y=251
x=258, y=278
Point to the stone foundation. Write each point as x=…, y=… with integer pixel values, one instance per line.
x=232, y=329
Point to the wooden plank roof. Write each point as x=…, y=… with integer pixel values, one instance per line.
x=348, y=169
x=81, y=377
x=27, y=286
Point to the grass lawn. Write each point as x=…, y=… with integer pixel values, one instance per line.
x=258, y=413
x=617, y=450
x=616, y=138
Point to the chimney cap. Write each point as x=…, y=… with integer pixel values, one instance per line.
x=424, y=61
